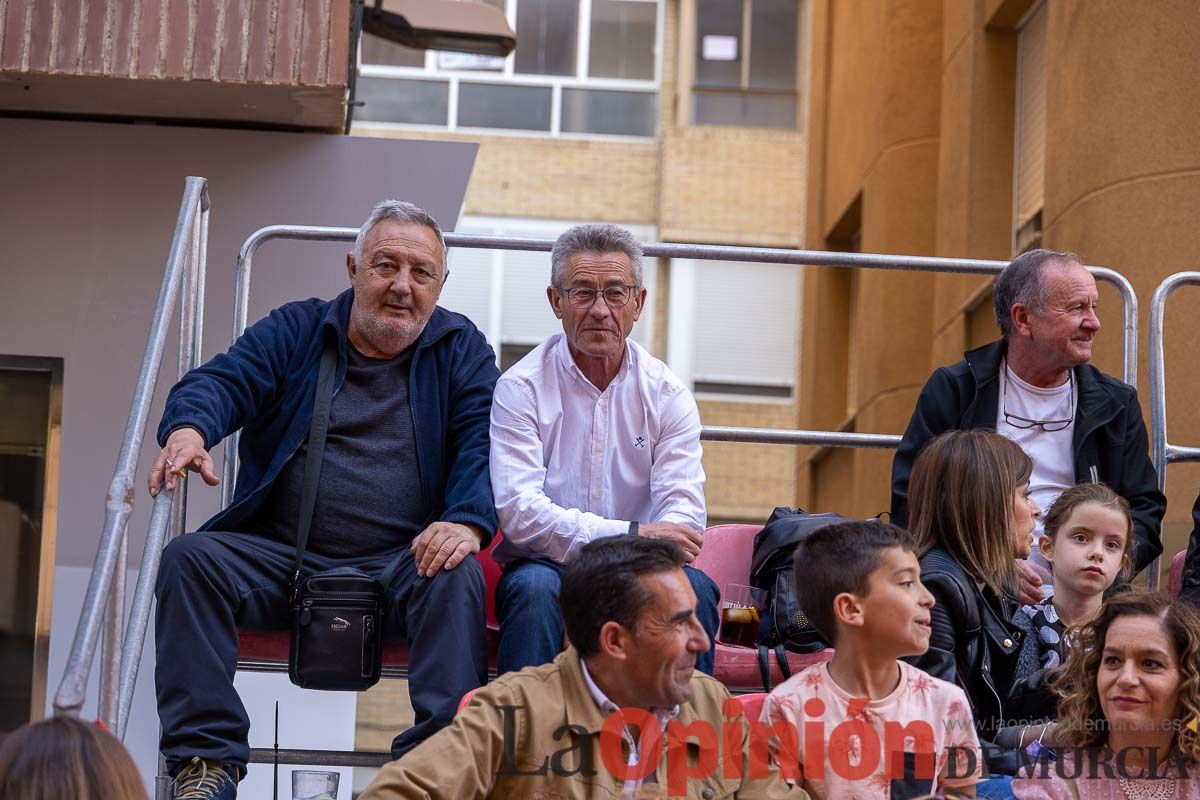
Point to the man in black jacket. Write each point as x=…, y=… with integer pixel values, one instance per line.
x=1035, y=386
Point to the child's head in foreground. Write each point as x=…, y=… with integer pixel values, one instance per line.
x=63, y=757
x=861, y=579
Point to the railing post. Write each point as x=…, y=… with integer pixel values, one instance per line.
x=119, y=502
x=1162, y=451
x=143, y=596
x=110, y=642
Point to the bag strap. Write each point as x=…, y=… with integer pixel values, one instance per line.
x=314, y=454
x=781, y=657
x=764, y=668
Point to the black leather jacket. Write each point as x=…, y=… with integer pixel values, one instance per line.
x=974, y=645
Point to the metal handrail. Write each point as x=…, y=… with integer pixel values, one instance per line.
x=1163, y=452
x=183, y=267
x=768, y=255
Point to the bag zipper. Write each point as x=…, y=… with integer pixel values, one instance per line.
x=359, y=600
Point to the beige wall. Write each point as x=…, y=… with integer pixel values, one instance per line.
x=934, y=104
x=1124, y=189
x=873, y=173
x=708, y=184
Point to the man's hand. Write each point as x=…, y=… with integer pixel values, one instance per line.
x=184, y=450
x=444, y=544
x=1032, y=578
x=687, y=538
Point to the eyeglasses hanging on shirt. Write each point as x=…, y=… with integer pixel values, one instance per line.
x=1025, y=423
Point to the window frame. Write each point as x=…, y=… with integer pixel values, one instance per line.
x=682, y=324
x=507, y=76
x=746, y=45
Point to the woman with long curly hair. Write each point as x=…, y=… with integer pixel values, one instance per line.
x=1129, y=715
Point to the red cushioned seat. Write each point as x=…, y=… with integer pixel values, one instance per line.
x=752, y=703
x=725, y=557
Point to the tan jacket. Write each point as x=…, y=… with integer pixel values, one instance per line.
x=536, y=706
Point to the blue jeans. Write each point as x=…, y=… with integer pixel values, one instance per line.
x=531, y=626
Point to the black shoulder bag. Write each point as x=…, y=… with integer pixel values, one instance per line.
x=337, y=615
x=784, y=625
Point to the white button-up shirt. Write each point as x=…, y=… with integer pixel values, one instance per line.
x=570, y=463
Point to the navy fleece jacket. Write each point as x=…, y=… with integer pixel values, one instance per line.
x=265, y=385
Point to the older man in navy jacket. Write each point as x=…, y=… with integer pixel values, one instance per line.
x=404, y=493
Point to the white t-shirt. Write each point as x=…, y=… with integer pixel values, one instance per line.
x=1053, y=459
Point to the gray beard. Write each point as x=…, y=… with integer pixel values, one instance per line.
x=385, y=336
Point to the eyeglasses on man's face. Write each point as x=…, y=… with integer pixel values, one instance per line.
x=585, y=296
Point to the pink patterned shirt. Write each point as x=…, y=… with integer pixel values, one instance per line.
x=918, y=740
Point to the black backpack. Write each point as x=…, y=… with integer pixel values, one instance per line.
x=784, y=626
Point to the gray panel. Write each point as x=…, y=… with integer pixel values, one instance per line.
x=612, y=112
x=547, y=32
x=622, y=40
x=399, y=100
x=745, y=109
x=495, y=105
x=775, y=30
x=99, y=202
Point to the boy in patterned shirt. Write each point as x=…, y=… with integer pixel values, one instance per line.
x=866, y=725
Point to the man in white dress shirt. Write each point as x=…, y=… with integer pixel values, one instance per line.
x=591, y=437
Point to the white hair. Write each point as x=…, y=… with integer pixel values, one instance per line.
x=594, y=238
x=398, y=211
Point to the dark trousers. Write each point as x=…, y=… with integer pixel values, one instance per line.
x=212, y=583
x=531, y=625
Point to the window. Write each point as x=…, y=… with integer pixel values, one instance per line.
x=581, y=68
x=734, y=327
x=1030, y=168
x=747, y=62
x=504, y=291
x=30, y=432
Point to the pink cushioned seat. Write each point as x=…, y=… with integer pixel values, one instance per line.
x=726, y=557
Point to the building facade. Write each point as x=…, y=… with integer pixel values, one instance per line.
x=977, y=129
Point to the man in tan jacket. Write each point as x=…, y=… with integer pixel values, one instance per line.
x=622, y=713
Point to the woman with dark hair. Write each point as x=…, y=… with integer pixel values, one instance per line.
x=1129, y=714
x=64, y=758
x=971, y=517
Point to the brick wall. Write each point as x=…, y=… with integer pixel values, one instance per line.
x=547, y=178
x=281, y=62
x=302, y=42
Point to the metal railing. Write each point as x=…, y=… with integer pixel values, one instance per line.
x=767, y=255
x=103, y=605
x=1162, y=451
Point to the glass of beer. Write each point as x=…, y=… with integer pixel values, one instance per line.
x=310, y=784
x=741, y=611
